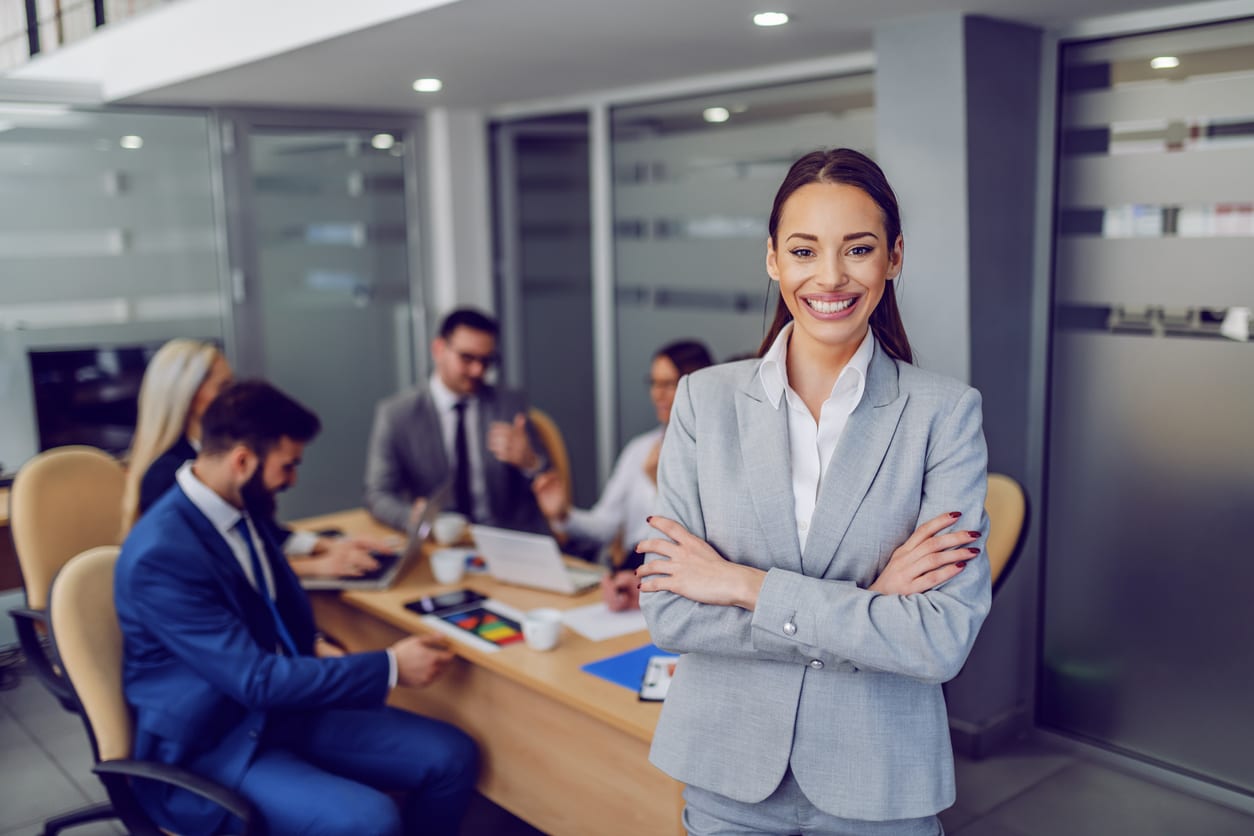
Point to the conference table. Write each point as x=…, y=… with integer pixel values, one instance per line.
x=562, y=749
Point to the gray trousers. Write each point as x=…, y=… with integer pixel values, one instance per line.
x=786, y=811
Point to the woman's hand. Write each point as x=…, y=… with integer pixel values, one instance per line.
x=550, y=493
x=927, y=559
x=695, y=571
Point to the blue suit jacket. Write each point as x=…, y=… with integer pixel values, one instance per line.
x=200, y=669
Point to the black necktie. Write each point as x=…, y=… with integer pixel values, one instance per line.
x=279, y=627
x=461, y=468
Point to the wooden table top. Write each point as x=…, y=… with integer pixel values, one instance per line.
x=554, y=673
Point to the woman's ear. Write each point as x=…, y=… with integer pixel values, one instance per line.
x=895, y=258
x=772, y=266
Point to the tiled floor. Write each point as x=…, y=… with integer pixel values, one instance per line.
x=1030, y=790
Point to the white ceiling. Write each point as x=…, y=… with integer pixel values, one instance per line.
x=494, y=52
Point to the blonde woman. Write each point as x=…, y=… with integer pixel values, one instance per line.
x=181, y=380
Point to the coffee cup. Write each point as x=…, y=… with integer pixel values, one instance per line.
x=542, y=627
x=449, y=528
x=448, y=565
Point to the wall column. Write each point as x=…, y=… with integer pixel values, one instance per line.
x=957, y=112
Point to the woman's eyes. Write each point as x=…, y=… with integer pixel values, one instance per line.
x=806, y=252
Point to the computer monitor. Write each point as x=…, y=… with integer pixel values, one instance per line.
x=88, y=394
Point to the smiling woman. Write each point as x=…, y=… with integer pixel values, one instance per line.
x=808, y=501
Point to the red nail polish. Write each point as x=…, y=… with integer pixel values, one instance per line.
x=649, y=518
x=973, y=550
x=955, y=514
x=961, y=565
x=973, y=534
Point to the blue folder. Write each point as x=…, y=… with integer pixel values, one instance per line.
x=625, y=669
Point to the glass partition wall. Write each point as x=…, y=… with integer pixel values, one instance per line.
x=693, y=181
x=109, y=245
x=1146, y=630
x=326, y=268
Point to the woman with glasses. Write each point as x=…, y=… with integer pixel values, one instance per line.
x=632, y=488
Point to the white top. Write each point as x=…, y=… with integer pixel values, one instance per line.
x=625, y=502
x=812, y=444
x=224, y=516
x=445, y=400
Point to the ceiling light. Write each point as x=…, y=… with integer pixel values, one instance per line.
x=131, y=142
x=715, y=114
x=770, y=18
x=1165, y=62
x=428, y=85
x=383, y=141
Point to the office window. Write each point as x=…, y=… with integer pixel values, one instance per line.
x=1146, y=616
x=693, y=182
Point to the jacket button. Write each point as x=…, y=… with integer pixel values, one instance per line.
x=790, y=629
x=817, y=664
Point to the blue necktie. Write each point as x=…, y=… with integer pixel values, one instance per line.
x=241, y=528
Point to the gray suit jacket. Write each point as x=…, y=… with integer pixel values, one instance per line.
x=842, y=683
x=407, y=460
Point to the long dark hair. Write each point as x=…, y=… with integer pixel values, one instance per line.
x=849, y=168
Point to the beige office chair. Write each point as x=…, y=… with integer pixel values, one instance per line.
x=1007, y=508
x=63, y=501
x=88, y=644
x=554, y=444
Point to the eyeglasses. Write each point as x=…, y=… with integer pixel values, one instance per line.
x=485, y=360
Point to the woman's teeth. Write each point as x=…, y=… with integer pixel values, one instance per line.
x=825, y=307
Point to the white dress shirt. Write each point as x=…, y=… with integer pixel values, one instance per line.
x=224, y=516
x=445, y=400
x=811, y=444
x=626, y=501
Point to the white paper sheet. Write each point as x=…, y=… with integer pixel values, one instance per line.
x=597, y=622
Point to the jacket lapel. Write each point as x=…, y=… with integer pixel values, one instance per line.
x=242, y=593
x=855, y=463
x=768, y=468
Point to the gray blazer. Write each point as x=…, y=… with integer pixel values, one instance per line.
x=841, y=683
x=406, y=460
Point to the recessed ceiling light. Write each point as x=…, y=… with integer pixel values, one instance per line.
x=131, y=142
x=770, y=18
x=1165, y=62
x=383, y=141
x=715, y=114
x=428, y=85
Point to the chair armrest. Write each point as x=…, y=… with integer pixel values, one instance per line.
x=226, y=798
x=29, y=637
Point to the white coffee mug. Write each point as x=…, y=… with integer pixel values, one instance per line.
x=449, y=528
x=542, y=627
x=448, y=565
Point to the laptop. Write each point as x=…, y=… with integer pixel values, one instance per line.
x=535, y=560
x=391, y=564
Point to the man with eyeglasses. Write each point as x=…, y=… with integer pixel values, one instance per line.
x=457, y=428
